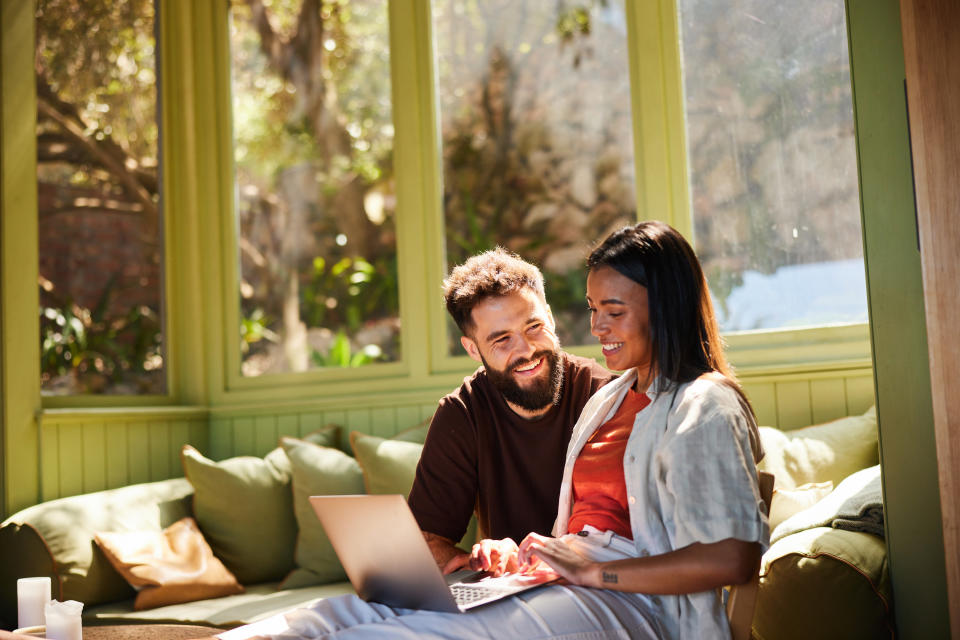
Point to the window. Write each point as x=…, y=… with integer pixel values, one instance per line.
x=536, y=131
x=101, y=244
x=313, y=142
x=772, y=161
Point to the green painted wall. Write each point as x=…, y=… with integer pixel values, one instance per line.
x=895, y=292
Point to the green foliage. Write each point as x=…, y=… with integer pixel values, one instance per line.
x=254, y=328
x=99, y=347
x=573, y=21
x=342, y=355
x=349, y=292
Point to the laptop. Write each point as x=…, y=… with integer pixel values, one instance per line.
x=387, y=560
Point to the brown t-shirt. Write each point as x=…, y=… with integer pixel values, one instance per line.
x=480, y=454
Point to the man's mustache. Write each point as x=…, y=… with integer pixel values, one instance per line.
x=516, y=364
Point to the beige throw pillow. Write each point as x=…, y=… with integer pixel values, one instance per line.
x=829, y=451
x=168, y=567
x=787, y=502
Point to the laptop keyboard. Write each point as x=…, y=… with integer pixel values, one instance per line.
x=467, y=594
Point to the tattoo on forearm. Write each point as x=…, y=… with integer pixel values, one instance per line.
x=609, y=578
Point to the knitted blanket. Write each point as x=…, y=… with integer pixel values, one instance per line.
x=856, y=504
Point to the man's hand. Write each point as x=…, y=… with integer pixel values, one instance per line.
x=496, y=556
x=447, y=556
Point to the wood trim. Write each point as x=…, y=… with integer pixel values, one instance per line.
x=931, y=50
x=19, y=300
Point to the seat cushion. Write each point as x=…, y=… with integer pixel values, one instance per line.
x=258, y=602
x=824, y=583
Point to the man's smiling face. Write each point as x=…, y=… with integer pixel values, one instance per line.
x=513, y=336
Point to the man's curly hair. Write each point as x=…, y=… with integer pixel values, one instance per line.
x=492, y=273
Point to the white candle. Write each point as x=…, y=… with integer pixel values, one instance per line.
x=63, y=620
x=32, y=595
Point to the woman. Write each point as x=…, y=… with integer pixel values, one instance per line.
x=659, y=503
x=688, y=496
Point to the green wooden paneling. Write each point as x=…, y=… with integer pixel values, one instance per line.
x=828, y=398
x=288, y=425
x=427, y=411
x=138, y=444
x=118, y=461
x=159, y=459
x=69, y=460
x=221, y=437
x=244, y=437
x=406, y=417
x=94, y=457
x=265, y=434
x=179, y=435
x=763, y=397
x=793, y=404
x=49, y=462
x=84, y=453
x=858, y=390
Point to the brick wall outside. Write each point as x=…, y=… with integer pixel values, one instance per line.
x=83, y=247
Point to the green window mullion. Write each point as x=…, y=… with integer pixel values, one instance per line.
x=658, y=121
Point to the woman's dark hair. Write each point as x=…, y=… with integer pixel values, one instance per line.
x=683, y=327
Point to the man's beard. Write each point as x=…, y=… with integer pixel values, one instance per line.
x=543, y=393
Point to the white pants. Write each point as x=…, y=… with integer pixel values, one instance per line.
x=555, y=611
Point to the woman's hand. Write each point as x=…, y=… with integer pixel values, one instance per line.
x=566, y=562
x=496, y=556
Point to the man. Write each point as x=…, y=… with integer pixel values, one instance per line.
x=497, y=444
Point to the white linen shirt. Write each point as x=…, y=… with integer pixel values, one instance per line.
x=690, y=474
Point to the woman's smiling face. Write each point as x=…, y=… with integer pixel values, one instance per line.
x=620, y=319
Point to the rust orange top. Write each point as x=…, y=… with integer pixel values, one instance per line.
x=599, y=491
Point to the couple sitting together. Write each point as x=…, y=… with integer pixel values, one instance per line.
x=640, y=491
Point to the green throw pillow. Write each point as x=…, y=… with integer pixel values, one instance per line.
x=829, y=451
x=327, y=436
x=245, y=509
x=317, y=471
x=389, y=466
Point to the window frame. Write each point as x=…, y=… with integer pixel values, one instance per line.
x=662, y=184
x=168, y=129
x=201, y=312
x=663, y=193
